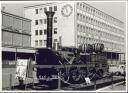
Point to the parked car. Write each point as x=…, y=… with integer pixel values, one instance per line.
x=117, y=70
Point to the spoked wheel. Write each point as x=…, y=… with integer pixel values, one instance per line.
x=100, y=73
x=64, y=76
x=76, y=76
x=95, y=75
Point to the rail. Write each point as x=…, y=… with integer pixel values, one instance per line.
x=95, y=83
x=63, y=66
x=31, y=81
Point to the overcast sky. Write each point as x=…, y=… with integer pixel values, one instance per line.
x=115, y=9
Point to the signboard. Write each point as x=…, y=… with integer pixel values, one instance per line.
x=87, y=79
x=21, y=68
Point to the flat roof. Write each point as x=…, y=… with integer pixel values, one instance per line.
x=10, y=14
x=43, y=4
x=78, y=1
x=103, y=12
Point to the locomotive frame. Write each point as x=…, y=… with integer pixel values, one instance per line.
x=74, y=64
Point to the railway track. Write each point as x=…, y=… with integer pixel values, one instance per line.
x=95, y=85
x=82, y=87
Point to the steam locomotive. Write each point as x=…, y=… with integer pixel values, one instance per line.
x=75, y=64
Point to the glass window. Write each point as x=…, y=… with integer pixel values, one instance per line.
x=36, y=32
x=36, y=22
x=78, y=16
x=45, y=31
x=55, y=30
x=40, y=42
x=55, y=8
x=55, y=19
x=45, y=41
x=40, y=32
x=50, y=8
x=41, y=10
x=36, y=42
x=78, y=27
x=45, y=9
x=45, y=21
x=55, y=40
x=41, y=21
x=36, y=11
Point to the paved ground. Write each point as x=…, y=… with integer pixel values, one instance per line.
x=6, y=81
x=116, y=87
x=6, y=72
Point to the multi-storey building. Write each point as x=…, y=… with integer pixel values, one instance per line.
x=16, y=38
x=76, y=23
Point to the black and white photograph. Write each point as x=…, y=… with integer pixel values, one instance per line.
x=64, y=46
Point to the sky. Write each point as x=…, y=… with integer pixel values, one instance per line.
x=115, y=9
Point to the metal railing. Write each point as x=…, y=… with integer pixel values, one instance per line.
x=12, y=81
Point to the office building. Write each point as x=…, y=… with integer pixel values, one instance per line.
x=16, y=38
x=76, y=23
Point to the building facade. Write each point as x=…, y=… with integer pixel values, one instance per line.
x=76, y=23
x=16, y=38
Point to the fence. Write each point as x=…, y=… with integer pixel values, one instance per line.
x=9, y=81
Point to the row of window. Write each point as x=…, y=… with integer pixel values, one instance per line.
x=96, y=32
x=15, y=24
x=15, y=39
x=98, y=13
x=40, y=42
x=40, y=32
x=44, y=32
x=81, y=40
x=42, y=10
x=44, y=21
x=100, y=24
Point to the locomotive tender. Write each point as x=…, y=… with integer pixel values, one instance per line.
x=74, y=64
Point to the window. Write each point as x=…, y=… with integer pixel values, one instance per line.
x=41, y=10
x=78, y=27
x=45, y=31
x=50, y=8
x=40, y=42
x=45, y=41
x=55, y=19
x=41, y=21
x=36, y=22
x=55, y=30
x=40, y=32
x=55, y=8
x=45, y=9
x=55, y=40
x=36, y=32
x=36, y=42
x=36, y=11
x=45, y=21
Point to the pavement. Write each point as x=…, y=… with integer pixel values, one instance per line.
x=8, y=78
x=116, y=87
x=10, y=72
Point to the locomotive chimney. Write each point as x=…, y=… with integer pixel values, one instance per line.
x=49, y=15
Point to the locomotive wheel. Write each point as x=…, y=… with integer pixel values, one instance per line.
x=100, y=73
x=75, y=76
x=64, y=76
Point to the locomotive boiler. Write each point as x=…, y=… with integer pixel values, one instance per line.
x=75, y=64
